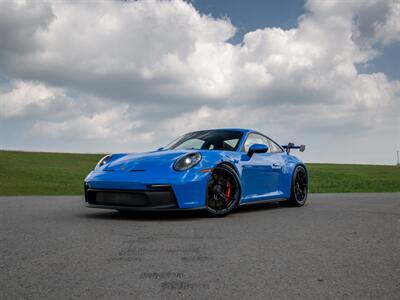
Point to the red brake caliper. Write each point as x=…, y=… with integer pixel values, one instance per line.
x=228, y=191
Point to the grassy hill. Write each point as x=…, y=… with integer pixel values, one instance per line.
x=36, y=173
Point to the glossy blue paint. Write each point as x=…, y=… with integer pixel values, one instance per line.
x=263, y=176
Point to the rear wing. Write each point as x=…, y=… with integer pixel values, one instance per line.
x=293, y=146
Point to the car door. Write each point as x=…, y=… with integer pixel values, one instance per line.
x=261, y=173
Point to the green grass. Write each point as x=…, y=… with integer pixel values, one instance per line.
x=36, y=173
x=344, y=178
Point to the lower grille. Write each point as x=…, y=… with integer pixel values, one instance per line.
x=151, y=198
x=131, y=199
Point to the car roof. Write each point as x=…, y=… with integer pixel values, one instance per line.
x=244, y=130
x=232, y=129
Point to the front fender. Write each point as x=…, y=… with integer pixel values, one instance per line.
x=211, y=159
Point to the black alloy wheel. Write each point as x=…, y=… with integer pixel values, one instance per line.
x=299, y=189
x=223, y=191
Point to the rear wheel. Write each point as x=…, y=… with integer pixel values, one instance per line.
x=223, y=191
x=299, y=190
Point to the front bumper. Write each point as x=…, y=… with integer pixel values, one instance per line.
x=146, y=191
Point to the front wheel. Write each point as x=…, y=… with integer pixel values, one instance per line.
x=299, y=189
x=223, y=191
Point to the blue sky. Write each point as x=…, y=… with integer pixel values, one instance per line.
x=387, y=62
x=250, y=15
x=254, y=14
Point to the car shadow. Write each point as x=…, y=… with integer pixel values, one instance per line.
x=176, y=215
x=260, y=206
x=146, y=215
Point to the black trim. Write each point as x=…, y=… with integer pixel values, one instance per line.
x=262, y=201
x=132, y=208
x=158, y=198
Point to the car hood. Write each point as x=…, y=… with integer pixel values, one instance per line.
x=145, y=161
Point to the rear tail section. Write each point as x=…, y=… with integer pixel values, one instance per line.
x=290, y=146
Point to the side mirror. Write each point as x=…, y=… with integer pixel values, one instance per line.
x=302, y=148
x=257, y=148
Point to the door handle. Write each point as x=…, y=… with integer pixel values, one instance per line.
x=276, y=165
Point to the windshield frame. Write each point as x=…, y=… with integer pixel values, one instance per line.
x=180, y=140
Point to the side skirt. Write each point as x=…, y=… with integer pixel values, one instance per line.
x=262, y=201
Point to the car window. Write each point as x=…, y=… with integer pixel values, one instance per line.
x=232, y=143
x=273, y=147
x=227, y=140
x=192, y=144
x=254, y=138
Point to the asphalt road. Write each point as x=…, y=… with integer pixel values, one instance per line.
x=338, y=246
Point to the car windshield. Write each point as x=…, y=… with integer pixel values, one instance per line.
x=227, y=140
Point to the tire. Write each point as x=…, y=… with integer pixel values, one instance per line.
x=299, y=187
x=223, y=191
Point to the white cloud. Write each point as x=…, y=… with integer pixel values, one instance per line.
x=388, y=31
x=31, y=98
x=130, y=73
x=109, y=124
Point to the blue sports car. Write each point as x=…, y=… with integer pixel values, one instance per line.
x=215, y=170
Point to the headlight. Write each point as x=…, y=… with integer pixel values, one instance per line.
x=187, y=161
x=103, y=161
